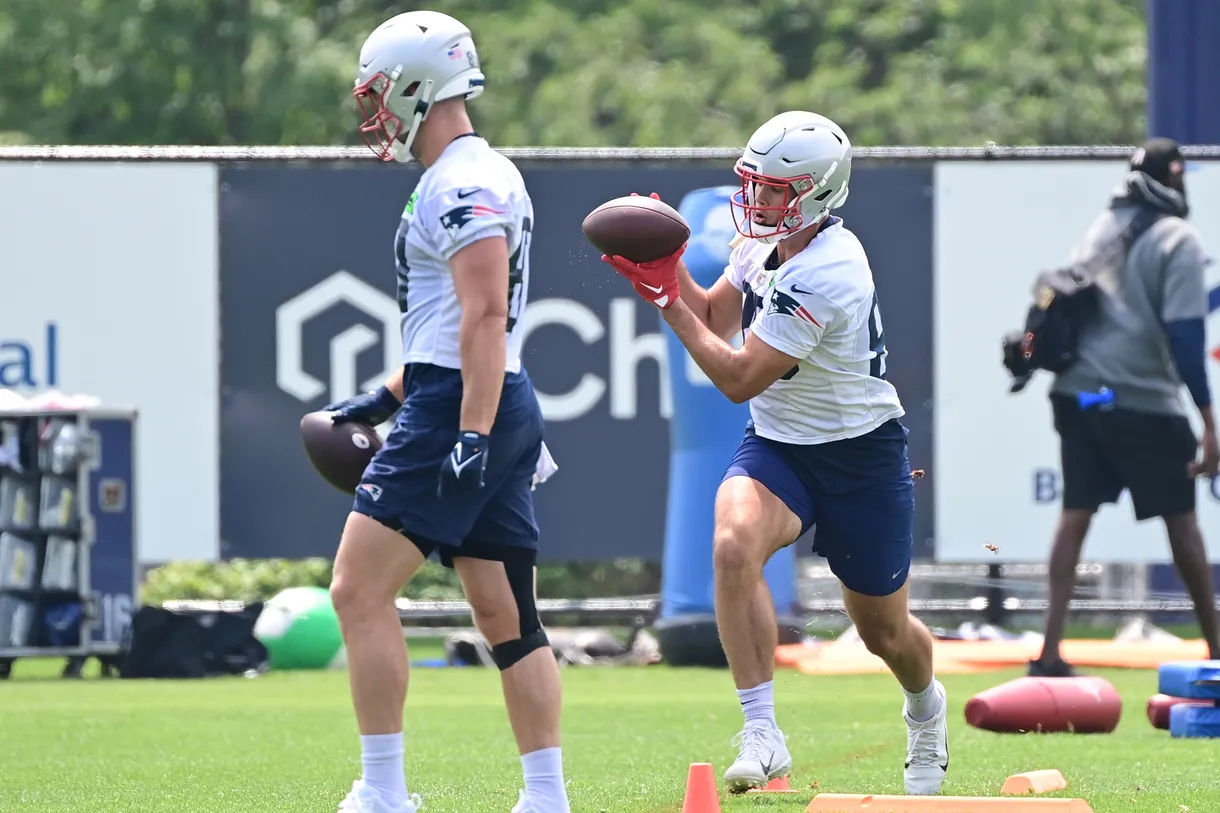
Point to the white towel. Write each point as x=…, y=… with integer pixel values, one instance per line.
x=545, y=468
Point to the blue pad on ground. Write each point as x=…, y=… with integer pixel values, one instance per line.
x=1194, y=721
x=1195, y=680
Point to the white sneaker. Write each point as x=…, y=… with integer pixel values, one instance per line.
x=927, y=751
x=762, y=756
x=363, y=799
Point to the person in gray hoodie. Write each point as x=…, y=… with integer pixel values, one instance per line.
x=1118, y=409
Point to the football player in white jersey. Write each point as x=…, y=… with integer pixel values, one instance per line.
x=824, y=446
x=455, y=475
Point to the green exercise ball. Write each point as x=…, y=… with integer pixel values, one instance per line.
x=301, y=631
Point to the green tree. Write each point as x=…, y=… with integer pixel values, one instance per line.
x=947, y=72
x=585, y=72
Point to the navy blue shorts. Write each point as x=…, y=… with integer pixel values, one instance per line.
x=857, y=492
x=399, y=486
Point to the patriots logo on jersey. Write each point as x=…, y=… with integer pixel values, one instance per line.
x=457, y=217
x=787, y=305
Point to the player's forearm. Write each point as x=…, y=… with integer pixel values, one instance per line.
x=482, y=340
x=394, y=384
x=694, y=295
x=715, y=357
x=1208, y=417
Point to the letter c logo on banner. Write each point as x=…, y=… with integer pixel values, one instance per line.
x=585, y=324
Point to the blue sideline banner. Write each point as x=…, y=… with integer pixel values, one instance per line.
x=308, y=315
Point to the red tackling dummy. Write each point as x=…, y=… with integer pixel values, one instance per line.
x=1160, y=704
x=1084, y=705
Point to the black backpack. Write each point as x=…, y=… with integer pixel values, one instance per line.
x=1065, y=300
x=163, y=643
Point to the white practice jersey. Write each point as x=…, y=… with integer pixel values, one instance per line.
x=821, y=308
x=470, y=193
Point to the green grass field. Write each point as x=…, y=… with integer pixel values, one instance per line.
x=287, y=742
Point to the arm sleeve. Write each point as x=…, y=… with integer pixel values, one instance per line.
x=469, y=214
x=1188, y=345
x=793, y=322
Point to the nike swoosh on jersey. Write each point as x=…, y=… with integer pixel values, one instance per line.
x=797, y=290
x=467, y=192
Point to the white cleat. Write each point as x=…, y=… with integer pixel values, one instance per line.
x=927, y=751
x=762, y=756
x=363, y=799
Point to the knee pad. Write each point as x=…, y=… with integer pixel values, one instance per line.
x=520, y=573
x=509, y=653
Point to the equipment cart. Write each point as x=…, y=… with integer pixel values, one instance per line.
x=69, y=558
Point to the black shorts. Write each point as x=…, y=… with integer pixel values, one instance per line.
x=1104, y=451
x=858, y=492
x=398, y=489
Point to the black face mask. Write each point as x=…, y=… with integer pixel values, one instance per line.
x=1141, y=188
x=1177, y=182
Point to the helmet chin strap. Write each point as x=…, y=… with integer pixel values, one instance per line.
x=773, y=237
x=401, y=149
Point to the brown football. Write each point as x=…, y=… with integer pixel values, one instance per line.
x=637, y=227
x=339, y=452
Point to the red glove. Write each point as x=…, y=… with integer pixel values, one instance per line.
x=656, y=281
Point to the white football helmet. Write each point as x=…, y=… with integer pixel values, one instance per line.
x=409, y=63
x=807, y=156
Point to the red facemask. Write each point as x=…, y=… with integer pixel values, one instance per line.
x=788, y=218
x=381, y=128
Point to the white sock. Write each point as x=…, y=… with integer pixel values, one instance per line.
x=923, y=706
x=758, y=704
x=384, y=771
x=545, y=791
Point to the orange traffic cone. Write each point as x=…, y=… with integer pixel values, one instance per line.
x=701, y=795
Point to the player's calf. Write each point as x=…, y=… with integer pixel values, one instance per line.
x=891, y=633
x=502, y=598
x=372, y=564
x=904, y=643
x=751, y=524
